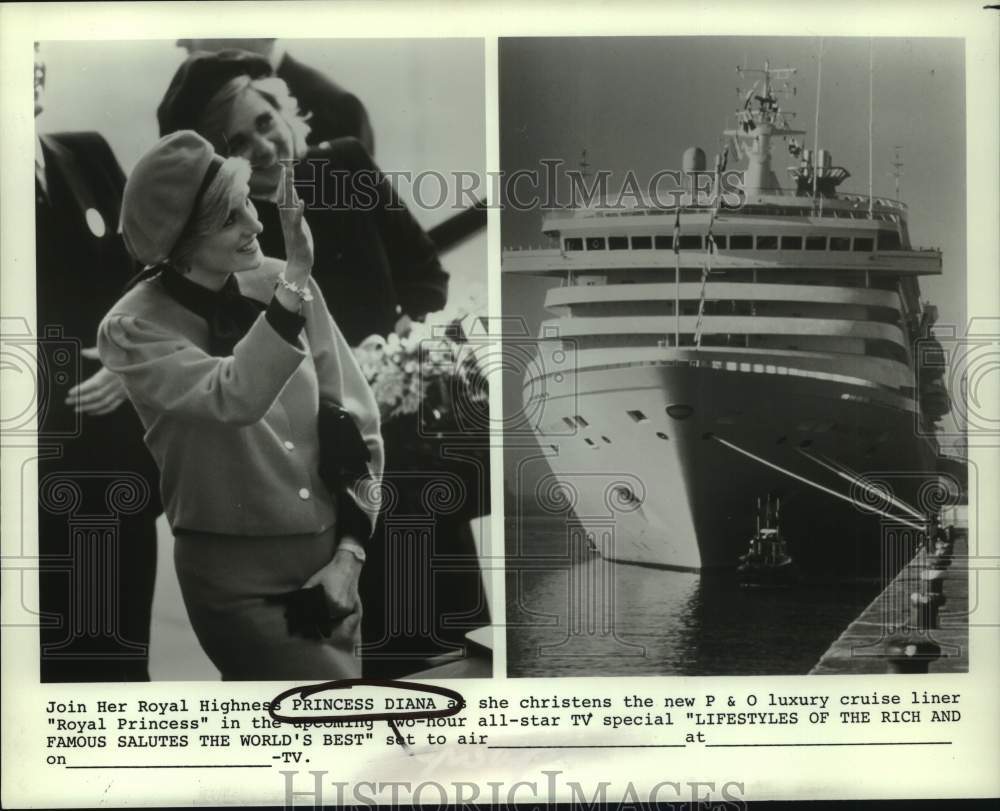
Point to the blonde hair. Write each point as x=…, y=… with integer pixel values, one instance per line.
x=273, y=90
x=224, y=193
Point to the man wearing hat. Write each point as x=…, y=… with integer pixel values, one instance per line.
x=98, y=496
x=333, y=112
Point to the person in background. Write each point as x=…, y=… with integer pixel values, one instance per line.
x=98, y=500
x=332, y=111
x=230, y=358
x=377, y=268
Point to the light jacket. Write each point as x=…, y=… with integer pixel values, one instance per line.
x=235, y=437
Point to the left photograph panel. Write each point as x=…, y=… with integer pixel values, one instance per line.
x=263, y=447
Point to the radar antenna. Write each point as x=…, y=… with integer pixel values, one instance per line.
x=759, y=119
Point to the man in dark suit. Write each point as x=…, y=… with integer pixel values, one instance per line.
x=98, y=487
x=333, y=111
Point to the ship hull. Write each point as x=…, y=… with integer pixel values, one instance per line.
x=654, y=488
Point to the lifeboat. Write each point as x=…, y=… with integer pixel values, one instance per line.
x=934, y=399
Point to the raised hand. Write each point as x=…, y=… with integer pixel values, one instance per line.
x=295, y=229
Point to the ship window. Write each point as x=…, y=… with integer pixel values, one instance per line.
x=840, y=243
x=889, y=241
x=618, y=243
x=642, y=243
x=767, y=243
x=791, y=243
x=637, y=416
x=608, y=441
x=689, y=242
x=679, y=411
x=721, y=241
x=589, y=442
x=595, y=243
x=864, y=244
x=662, y=435
x=664, y=242
x=815, y=243
x=573, y=244
x=740, y=242
x=581, y=421
x=569, y=422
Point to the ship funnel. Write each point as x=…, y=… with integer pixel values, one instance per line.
x=825, y=159
x=693, y=160
x=693, y=163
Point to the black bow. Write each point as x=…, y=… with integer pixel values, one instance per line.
x=228, y=313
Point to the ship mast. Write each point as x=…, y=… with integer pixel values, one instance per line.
x=585, y=174
x=760, y=120
x=897, y=168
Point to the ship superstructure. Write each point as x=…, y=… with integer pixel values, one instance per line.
x=720, y=347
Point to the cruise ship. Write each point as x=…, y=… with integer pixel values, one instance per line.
x=727, y=347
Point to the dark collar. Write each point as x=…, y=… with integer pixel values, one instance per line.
x=228, y=313
x=197, y=298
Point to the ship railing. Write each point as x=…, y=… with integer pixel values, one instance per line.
x=858, y=206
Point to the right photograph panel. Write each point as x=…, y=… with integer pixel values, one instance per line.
x=734, y=287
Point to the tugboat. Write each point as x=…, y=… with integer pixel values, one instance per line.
x=767, y=563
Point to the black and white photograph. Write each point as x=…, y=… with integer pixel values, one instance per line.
x=733, y=268
x=498, y=403
x=262, y=438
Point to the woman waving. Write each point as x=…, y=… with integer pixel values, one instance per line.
x=229, y=358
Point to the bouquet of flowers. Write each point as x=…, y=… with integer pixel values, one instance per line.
x=433, y=400
x=423, y=372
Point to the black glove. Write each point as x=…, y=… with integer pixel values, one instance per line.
x=343, y=454
x=307, y=612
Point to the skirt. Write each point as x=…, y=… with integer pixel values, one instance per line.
x=228, y=583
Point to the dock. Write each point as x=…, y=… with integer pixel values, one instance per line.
x=891, y=625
